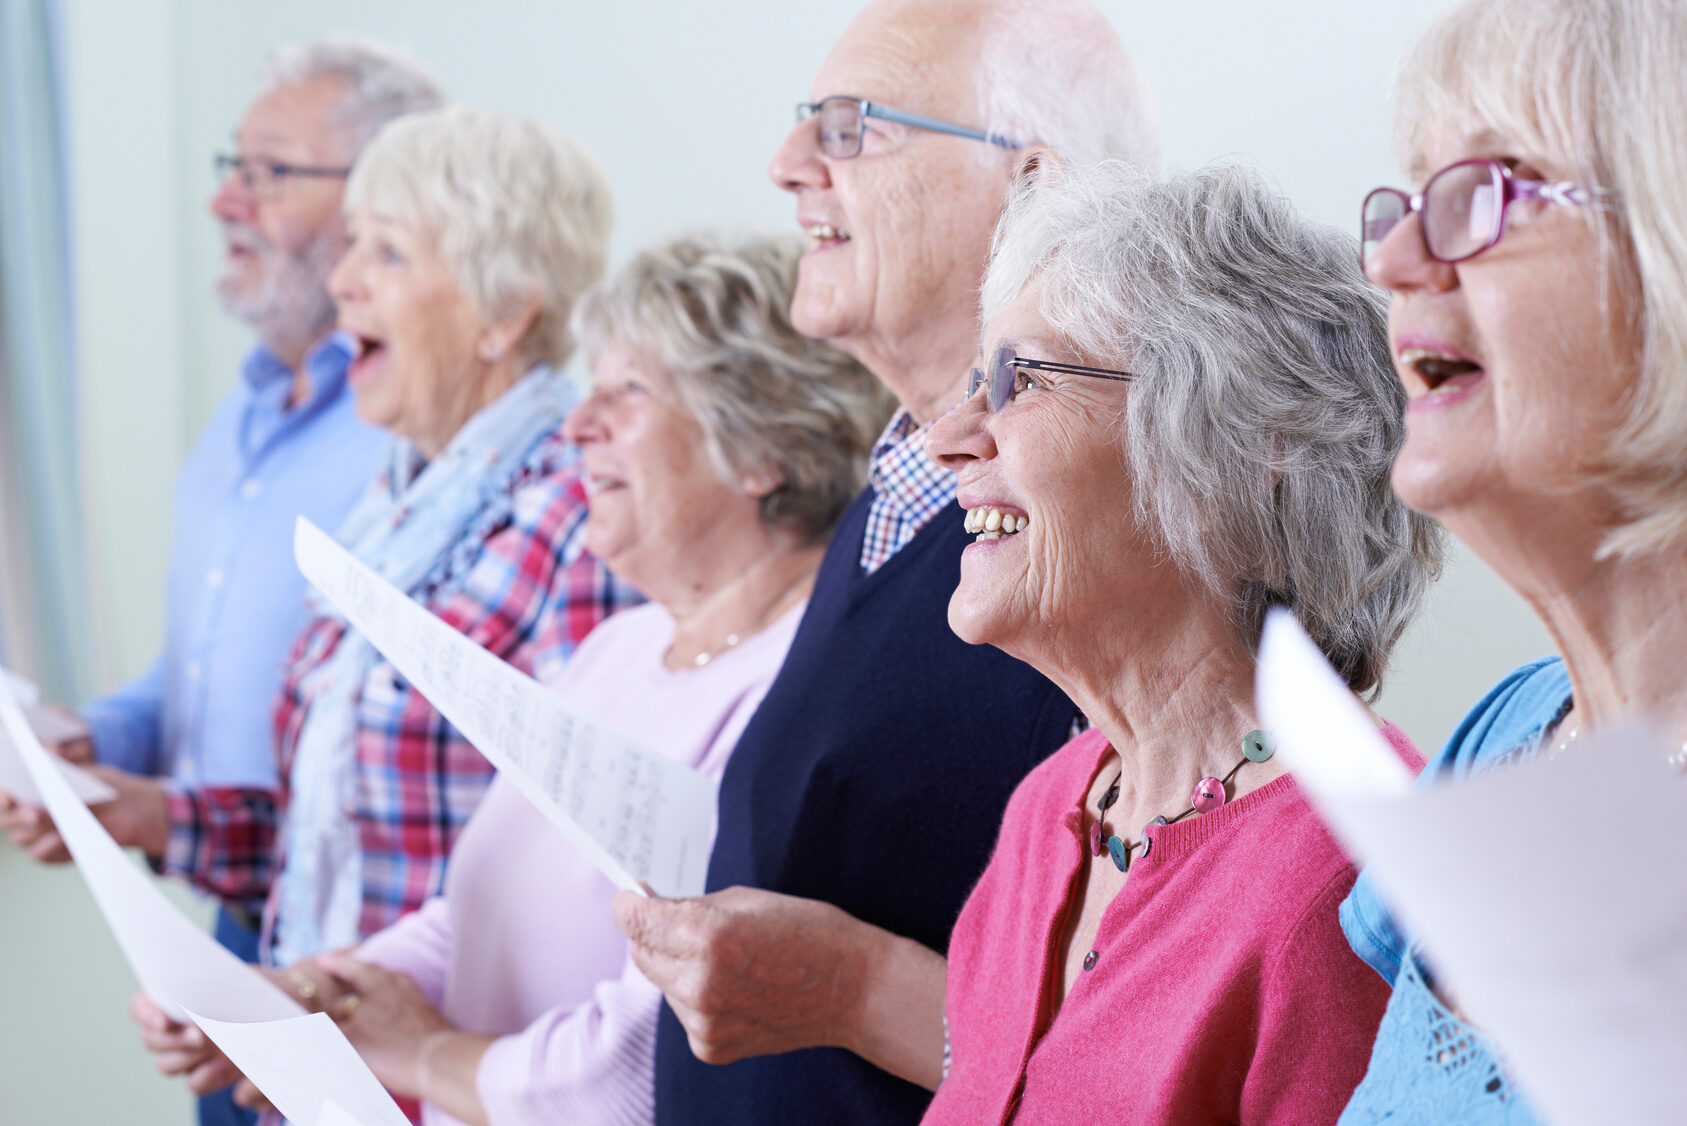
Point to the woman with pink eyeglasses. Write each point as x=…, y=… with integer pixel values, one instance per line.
x=1539, y=324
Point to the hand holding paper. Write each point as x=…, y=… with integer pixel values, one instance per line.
x=298, y=1061
x=1548, y=895
x=48, y=727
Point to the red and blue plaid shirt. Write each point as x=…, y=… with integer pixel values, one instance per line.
x=529, y=597
x=909, y=489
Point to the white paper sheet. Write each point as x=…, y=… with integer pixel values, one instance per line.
x=333, y=1114
x=187, y=973
x=302, y=1060
x=49, y=727
x=1549, y=896
x=640, y=817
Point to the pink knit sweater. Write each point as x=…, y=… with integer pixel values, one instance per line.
x=1221, y=991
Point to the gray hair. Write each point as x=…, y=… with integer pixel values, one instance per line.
x=1054, y=72
x=714, y=319
x=521, y=213
x=1266, y=413
x=382, y=83
x=1595, y=87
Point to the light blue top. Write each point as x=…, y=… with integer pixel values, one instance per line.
x=1429, y=1067
x=236, y=601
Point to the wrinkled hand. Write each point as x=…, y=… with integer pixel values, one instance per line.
x=139, y=817
x=751, y=972
x=181, y=1049
x=387, y=1019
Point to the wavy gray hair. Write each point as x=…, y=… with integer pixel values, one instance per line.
x=521, y=212
x=715, y=319
x=1267, y=412
x=382, y=83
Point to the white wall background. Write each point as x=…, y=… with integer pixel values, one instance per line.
x=683, y=102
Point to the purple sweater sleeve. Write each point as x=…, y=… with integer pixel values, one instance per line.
x=418, y=945
x=592, y=1065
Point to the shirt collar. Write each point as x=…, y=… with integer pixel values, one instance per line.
x=901, y=471
x=326, y=363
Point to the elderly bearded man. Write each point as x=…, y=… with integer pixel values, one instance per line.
x=873, y=777
x=284, y=441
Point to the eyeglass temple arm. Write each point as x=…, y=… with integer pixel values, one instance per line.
x=902, y=117
x=1075, y=369
x=1566, y=192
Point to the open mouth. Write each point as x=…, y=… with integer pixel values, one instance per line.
x=823, y=235
x=371, y=353
x=991, y=523
x=1440, y=373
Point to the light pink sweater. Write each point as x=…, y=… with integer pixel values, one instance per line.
x=522, y=945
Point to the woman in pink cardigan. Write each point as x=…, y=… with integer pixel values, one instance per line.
x=1185, y=414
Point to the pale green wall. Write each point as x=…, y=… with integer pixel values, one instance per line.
x=156, y=86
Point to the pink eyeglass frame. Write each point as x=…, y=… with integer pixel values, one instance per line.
x=1511, y=189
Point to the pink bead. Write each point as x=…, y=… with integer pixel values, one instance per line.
x=1208, y=795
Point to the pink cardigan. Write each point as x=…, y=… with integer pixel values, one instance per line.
x=522, y=945
x=1221, y=991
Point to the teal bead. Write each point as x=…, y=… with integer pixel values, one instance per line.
x=1257, y=746
x=1120, y=852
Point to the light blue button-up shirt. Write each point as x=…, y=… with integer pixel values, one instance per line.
x=236, y=601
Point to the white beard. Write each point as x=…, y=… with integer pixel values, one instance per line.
x=289, y=297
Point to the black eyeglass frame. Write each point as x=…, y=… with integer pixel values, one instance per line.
x=1001, y=375
x=277, y=171
x=866, y=109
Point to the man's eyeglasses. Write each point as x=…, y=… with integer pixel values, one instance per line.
x=1461, y=211
x=843, y=123
x=1007, y=376
x=266, y=177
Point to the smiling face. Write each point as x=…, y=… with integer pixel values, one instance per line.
x=417, y=372
x=1516, y=362
x=655, y=496
x=280, y=246
x=898, y=236
x=1053, y=461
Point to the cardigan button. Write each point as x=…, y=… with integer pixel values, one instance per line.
x=1091, y=959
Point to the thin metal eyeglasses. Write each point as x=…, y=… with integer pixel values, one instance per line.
x=1461, y=210
x=1007, y=378
x=843, y=124
x=265, y=177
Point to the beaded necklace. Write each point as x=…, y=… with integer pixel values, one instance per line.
x=1208, y=795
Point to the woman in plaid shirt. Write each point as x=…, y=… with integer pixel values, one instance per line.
x=457, y=288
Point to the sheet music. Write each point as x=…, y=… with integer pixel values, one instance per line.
x=297, y=1062
x=48, y=726
x=1548, y=895
x=639, y=816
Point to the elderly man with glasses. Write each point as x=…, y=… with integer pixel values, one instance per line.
x=863, y=800
x=284, y=441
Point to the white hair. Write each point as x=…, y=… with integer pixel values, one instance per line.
x=382, y=83
x=1266, y=414
x=1597, y=87
x=521, y=213
x=1054, y=72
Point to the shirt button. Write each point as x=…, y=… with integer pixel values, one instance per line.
x=1091, y=959
x=249, y=488
x=194, y=670
x=214, y=579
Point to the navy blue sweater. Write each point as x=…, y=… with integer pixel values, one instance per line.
x=874, y=777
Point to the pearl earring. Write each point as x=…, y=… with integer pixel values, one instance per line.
x=492, y=352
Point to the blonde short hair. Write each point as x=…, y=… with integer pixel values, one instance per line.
x=521, y=213
x=1598, y=88
x=714, y=318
